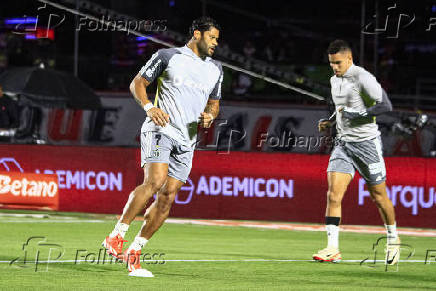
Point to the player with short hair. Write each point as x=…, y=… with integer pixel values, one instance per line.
x=358, y=98
x=188, y=94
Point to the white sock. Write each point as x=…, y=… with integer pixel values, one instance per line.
x=138, y=243
x=332, y=235
x=391, y=233
x=120, y=228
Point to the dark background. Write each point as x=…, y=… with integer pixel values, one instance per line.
x=291, y=36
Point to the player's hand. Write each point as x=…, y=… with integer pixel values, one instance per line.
x=206, y=119
x=324, y=124
x=352, y=114
x=158, y=116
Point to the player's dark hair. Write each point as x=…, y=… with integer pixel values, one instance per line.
x=337, y=46
x=203, y=24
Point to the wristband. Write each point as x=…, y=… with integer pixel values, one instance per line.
x=148, y=106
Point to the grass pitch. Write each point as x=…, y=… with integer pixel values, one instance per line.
x=195, y=257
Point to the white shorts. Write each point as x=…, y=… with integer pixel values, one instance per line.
x=157, y=147
x=365, y=156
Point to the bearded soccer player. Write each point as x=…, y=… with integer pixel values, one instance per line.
x=188, y=94
x=358, y=98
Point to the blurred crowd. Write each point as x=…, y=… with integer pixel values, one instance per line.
x=112, y=66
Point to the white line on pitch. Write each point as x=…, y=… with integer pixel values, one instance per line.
x=215, y=260
x=53, y=221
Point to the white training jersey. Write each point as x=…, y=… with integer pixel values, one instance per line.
x=356, y=89
x=185, y=84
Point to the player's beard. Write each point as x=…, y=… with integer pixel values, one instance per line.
x=203, y=48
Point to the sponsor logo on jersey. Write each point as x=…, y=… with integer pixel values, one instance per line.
x=150, y=71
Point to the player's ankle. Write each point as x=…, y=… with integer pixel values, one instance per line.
x=119, y=229
x=391, y=233
x=138, y=243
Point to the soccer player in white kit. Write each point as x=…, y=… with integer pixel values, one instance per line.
x=188, y=94
x=358, y=98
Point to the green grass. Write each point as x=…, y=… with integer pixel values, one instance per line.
x=204, y=242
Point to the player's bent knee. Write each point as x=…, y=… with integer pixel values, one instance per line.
x=334, y=197
x=165, y=200
x=171, y=190
x=155, y=184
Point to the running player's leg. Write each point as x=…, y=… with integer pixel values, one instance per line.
x=368, y=159
x=178, y=171
x=157, y=213
x=160, y=209
x=155, y=175
x=155, y=152
x=180, y=163
x=337, y=186
x=387, y=212
x=340, y=172
x=380, y=197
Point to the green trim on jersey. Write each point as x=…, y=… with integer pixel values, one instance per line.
x=156, y=95
x=368, y=102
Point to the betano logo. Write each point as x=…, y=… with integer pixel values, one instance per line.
x=69, y=179
x=19, y=184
